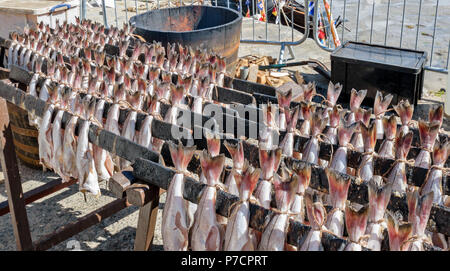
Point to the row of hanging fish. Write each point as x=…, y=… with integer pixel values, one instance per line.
x=357, y=131
x=202, y=229
x=141, y=81
x=109, y=82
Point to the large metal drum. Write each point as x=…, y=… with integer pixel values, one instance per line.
x=215, y=28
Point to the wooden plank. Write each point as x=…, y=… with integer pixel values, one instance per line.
x=145, y=230
x=39, y=192
x=71, y=229
x=119, y=182
x=13, y=184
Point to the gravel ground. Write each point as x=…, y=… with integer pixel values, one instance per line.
x=118, y=231
x=67, y=205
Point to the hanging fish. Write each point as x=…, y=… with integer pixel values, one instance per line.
x=175, y=227
x=397, y=176
x=317, y=216
x=379, y=196
x=274, y=234
x=206, y=232
x=237, y=235
x=379, y=108
x=338, y=186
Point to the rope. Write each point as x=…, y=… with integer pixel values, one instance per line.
x=380, y=114
x=445, y=171
x=414, y=238
x=408, y=162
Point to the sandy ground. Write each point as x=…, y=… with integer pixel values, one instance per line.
x=118, y=231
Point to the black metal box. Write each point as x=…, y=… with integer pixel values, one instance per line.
x=374, y=67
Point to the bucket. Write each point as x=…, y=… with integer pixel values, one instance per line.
x=25, y=136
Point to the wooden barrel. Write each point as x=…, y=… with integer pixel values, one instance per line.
x=25, y=136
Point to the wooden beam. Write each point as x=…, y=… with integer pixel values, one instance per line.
x=71, y=229
x=119, y=183
x=39, y=192
x=148, y=213
x=13, y=184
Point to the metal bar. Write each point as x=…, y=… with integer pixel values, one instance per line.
x=292, y=26
x=300, y=41
x=136, y=5
x=71, y=229
x=418, y=24
x=83, y=9
x=316, y=31
x=253, y=16
x=38, y=193
x=371, y=23
x=146, y=4
x=240, y=10
x=115, y=12
x=434, y=33
x=403, y=21
x=343, y=20
x=126, y=11
x=13, y=185
x=279, y=21
x=267, y=17
x=105, y=19
x=357, y=20
x=448, y=54
x=387, y=22
x=436, y=69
